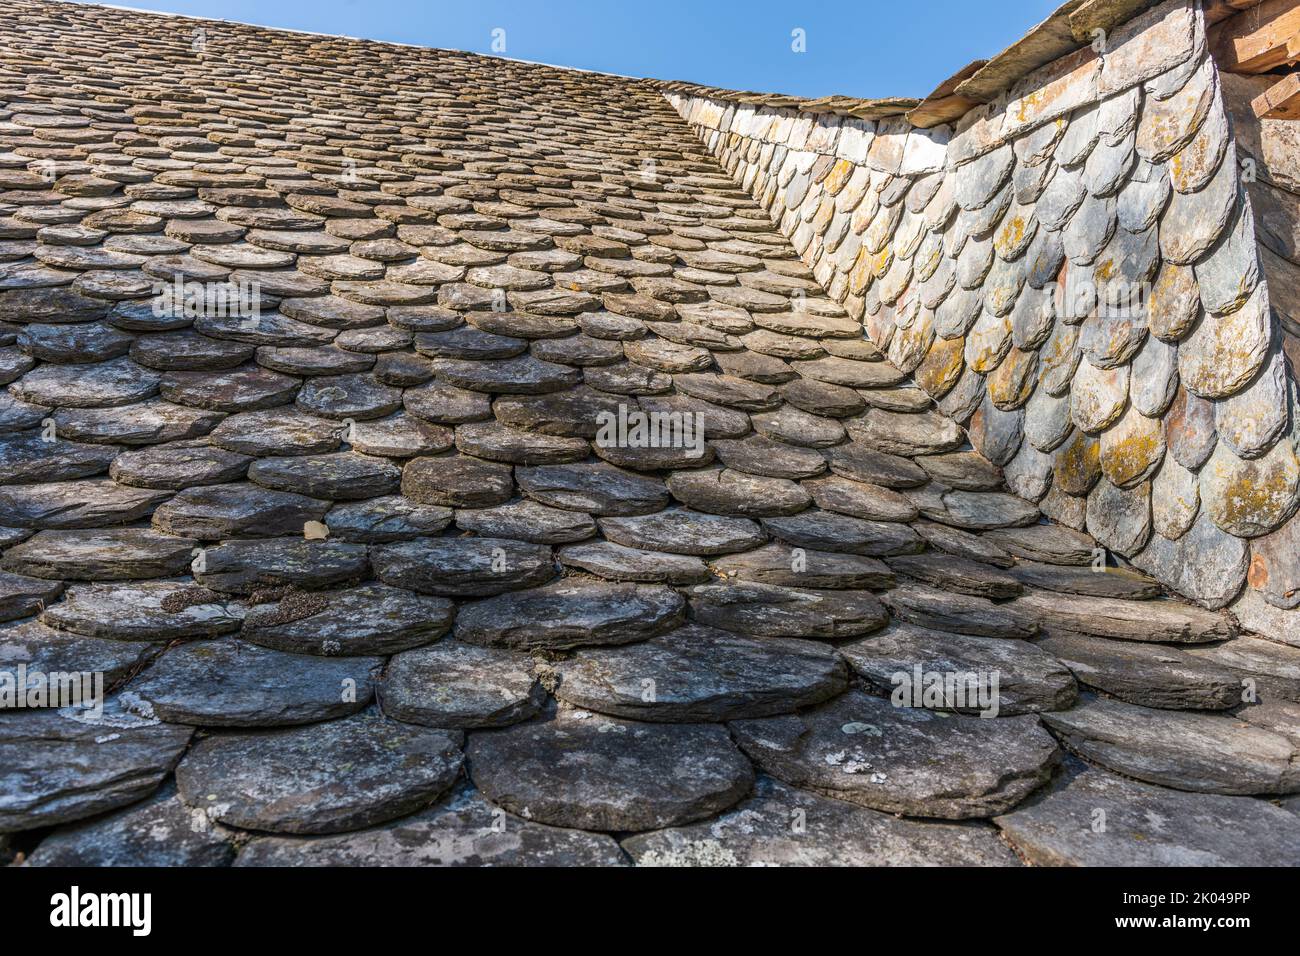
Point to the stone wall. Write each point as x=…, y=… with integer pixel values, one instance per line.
x=996, y=260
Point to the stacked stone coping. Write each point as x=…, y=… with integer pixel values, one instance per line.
x=1192, y=472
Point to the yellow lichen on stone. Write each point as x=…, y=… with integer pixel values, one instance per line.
x=1078, y=464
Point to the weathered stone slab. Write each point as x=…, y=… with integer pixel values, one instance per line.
x=1166, y=621
x=614, y=562
x=386, y=519
x=598, y=773
x=371, y=619
x=1147, y=674
x=1049, y=543
x=769, y=611
x=228, y=683
x=62, y=765
x=952, y=573
x=595, y=488
x=1198, y=752
x=1104, y=582
x=942, y=610
x=161, y=831
x=143, y=611
x=1272, y=670
x=679, y=531
x=826, y=531
x=760, y=832
x=864, y=750
x=328, y=778
x=781, y=565
x=452, y=684
x=464, y=831
x=46, y=651
x=463, y=567
x=921, y=433
x=1146, y=826
x=237, y=510
x=113, y=555
x=244, y=566
x=88, y=503
x=700, y=674
x=571, y=613
x=527, y=520
x=1027, y=679
x=21, y=596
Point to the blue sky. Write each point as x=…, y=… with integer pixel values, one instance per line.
x=861, y=48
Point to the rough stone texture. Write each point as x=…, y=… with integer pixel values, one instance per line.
x=1028, y=680
x=451, y=684
x=1146, y=825
x=231, y=684
x=160, y=831
x=914, y=762
x=1152, y=675
x=499, y=272
x=763, y=831
x=60, y=765
x=466, y=830
x=1088, y=175
x=598, y=773
x=372, y=619
x=331, y=777
x=1202, y=753
x=571, y=614
x=700, y=674
x=1167, y=621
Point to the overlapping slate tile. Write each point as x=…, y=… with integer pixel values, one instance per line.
x=327, y=778
x=464, y=831
x=863, y=750
x=64, y=765
x=758, y=832
x=461, y=314
x=599, y=773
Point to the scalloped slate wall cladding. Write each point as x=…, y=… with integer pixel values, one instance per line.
x=974, y=256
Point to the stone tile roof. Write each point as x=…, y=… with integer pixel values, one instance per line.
x=373, y=556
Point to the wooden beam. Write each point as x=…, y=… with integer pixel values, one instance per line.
x=1216, y=10
x=1259, y=39
x=1279, y=101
